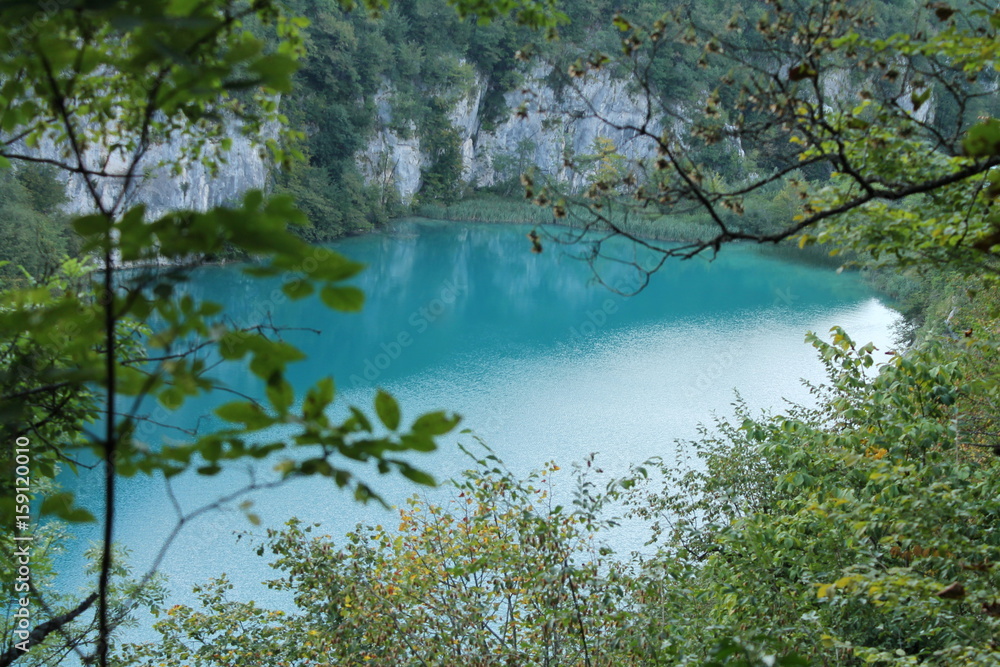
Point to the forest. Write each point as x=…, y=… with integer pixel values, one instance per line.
x=860, y=528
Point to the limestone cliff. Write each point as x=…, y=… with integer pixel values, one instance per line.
x=542, y=126
x=557, y=123
x=161, y=187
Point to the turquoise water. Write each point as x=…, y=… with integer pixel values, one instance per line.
x=542, y=363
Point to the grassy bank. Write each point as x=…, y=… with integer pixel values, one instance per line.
x=676, y=228
x=491, y=208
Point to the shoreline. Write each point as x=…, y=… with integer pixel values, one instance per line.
x=511, y=211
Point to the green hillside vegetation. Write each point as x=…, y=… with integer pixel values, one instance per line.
x=35, y=235
x=428, y=58
x=425, y=58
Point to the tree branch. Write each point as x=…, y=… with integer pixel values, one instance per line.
x=42, y=631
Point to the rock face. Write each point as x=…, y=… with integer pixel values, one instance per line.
x=162, y=189
x=390, y=160
x=841, y=88
x=542, y=126
x=196, y=187
x=557, y=124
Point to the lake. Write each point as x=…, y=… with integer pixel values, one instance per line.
x=541, y=362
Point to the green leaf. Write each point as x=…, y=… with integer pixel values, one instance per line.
x=347, y=299
x=297, y=289
x=358, y=421
x=275, y=71
x=802, y=71
x=280, y=393
x=316, y=467
x=387, y=410
x=918, y=98
x=323, y=264
x=171, y=397
x=983, y=140
x=326, y=390
x=244, y=412
x=89, y=225
x=418, y=476
x=210, y=308
x=61, y=505
x=418, y=442
x=621, y=23
x=435, y=423
x=318, y=398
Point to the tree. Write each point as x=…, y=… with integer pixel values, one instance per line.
x=102, y=83
x=87, y=87
x=858, y=531
x=606, y=167
x=35, y=236
x=497, y=575
x=881, y=126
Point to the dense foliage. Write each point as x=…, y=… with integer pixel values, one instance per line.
x=861, y=531
x=499, y=573
x=405, y=69
x=34, y=234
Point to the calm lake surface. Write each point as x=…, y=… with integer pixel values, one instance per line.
x=542, y=363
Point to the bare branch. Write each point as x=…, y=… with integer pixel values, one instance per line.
x=43, y=630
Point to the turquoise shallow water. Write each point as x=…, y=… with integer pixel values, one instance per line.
x=542, y=363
